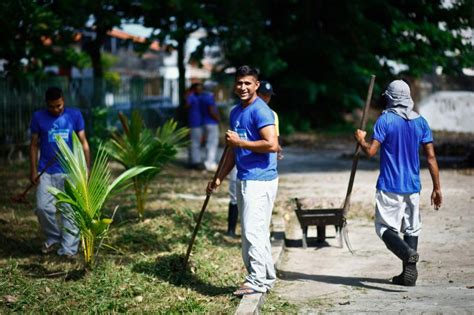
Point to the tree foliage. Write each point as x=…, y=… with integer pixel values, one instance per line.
x=318, y=53
x=138, y=145
x=32, y=37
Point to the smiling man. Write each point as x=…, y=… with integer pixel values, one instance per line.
x=254, y=144
x=46, y=125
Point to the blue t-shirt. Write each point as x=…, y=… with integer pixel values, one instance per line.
x=207, y=103
x=247, y=122
x=194, y=111
x=399, y=155
x=47, y=126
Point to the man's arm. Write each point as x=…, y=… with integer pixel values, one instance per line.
x=268, y=144
x=436, y=196
x=369, y=148
x=85, y=146
x=213, y=112
x=34, y=148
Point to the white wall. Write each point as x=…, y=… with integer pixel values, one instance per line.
x=449, y=111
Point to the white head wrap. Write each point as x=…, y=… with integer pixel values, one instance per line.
x=399, y=101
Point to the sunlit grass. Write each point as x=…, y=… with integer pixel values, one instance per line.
x=141, y=272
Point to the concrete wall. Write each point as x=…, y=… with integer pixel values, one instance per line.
x=449, y=111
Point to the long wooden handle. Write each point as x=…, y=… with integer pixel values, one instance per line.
x=204, y=205
x=355, y=159
x=31, y=185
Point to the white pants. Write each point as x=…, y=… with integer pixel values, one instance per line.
x=46, y=212
x=397, y=212
x=195, y=145
x=255, y=202
x=212, y=142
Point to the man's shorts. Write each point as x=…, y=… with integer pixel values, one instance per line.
x=397, y=212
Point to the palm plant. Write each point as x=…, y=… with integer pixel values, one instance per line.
x=138, y=145
x=84, y=194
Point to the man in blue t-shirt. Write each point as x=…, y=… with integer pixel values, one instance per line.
x=46, y=125
x=195, y=123
x=253, y=142
x=399, y=132
x=210, y=122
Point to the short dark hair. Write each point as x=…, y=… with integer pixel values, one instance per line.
x=53, y=93
x=195, y=85
x=245, y=70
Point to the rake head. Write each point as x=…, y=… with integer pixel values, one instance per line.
x=21, y=198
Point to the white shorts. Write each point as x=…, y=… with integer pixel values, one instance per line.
x=397, y=212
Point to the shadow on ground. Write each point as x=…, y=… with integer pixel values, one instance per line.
x=171, y=268
x=36, y=270
x=349, y=281
x=310, y=242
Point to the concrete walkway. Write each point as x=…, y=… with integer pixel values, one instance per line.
x=330, y=279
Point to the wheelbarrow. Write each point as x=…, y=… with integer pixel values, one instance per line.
x=338, y=216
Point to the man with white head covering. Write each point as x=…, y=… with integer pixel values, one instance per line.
x=399, y=132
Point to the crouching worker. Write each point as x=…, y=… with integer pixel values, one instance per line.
x=253, y=142
x=399, y=132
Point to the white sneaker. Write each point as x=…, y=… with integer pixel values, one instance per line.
x=210, y=166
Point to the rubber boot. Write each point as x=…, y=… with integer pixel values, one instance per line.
x=408, y=255
x=232, y=220
x=409, y=270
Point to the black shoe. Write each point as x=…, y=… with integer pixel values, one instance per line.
x=232, y=219
x=408, y=255
x=411, y=241
x=230, y=234
x=409, y=274
x=399, y=247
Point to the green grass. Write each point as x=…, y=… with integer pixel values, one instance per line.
x=276, y=304
x=140, y=271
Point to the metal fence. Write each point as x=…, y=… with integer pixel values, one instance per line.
x=19, y=100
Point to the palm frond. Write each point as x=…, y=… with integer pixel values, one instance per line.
x=84, y=194
x=137, y=145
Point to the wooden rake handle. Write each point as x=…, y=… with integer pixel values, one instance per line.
x=204, y=206
x=22, y=197
x=355, y=158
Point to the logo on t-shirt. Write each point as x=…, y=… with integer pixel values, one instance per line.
x=63, y=133
x=242, y=133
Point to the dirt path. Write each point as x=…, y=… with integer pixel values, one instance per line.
x=330, y=279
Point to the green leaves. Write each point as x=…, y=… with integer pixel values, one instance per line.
x=137, y=145
x=85, y=193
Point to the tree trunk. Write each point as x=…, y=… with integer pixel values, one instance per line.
x=94, y=51
x=88, y=249
x=139, y=195
x=181, y=69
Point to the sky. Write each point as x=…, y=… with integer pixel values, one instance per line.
x=136, y=29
